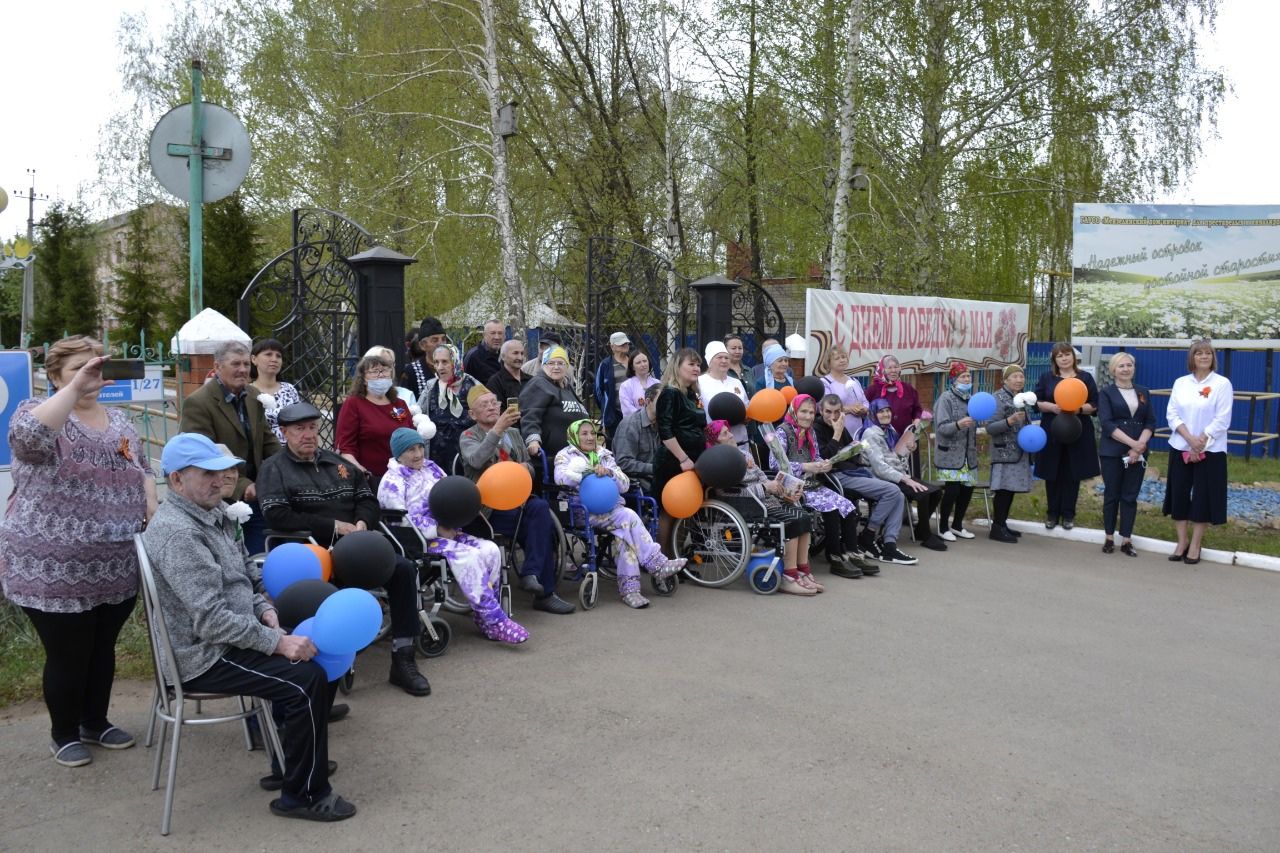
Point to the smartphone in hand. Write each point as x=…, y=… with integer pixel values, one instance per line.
x=124, y=368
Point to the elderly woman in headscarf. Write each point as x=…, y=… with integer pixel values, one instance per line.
x=904, y=401
x=548, y=404
x=633, y=547
x=957, y=457
x=476, y=563
x=444, y=401
x=776, y=365
x=839, y=516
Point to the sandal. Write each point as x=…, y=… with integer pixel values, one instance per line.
x=274, y=782
x=327, y=809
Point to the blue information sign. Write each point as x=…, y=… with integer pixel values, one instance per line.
x=15, y=386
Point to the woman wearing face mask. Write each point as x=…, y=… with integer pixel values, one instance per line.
x=369, y=415
x=957, y=457
x=1064, y=466
x=633, y=548
x=1128, y=423
x=444, y=401
x=1010, y=465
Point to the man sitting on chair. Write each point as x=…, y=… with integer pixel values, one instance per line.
x=495, y=438
x=225, y=635
x=316, y=492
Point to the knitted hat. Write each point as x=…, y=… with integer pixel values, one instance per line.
x=403, y=439
x=1011, y=369
x=476, y=393
x=430, y=326
x=957, y=367
x=555, y=352
x=772, y=353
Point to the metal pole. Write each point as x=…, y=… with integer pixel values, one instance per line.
x=195, y=207
x=28, y=309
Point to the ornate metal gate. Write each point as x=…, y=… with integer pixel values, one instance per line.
x=306, y=298
x=627, y=290
x=754, y=312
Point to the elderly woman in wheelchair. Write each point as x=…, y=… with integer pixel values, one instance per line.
x=634, y=548
x=476, y=563
x=761, y=497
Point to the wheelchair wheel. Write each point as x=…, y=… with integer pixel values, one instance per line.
x=716, y=542
x=347, y=681
x=818, y=536
x=504, y=598
x=589, y=590
x=765, y=579
x=667, y=586
x=433, y=648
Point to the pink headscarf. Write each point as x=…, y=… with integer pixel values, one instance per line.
x=887, y=387
x=711, y=432
x=803, y=436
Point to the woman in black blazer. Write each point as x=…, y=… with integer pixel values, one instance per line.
x=1127, y=425
x=1063, y=467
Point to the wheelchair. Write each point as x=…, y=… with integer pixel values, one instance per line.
x=590, y=551
x=720, y=539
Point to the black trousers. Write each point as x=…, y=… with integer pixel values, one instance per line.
x=300, y=693
x=955, y=503
x=1120, y=494
x=1061, y=495
x=79, y=665
x=402, y=600
x=841, y=532
x=926, y=502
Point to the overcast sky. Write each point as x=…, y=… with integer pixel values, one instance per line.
x=61, y=83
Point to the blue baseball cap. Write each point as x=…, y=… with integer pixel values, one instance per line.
x=187, y=449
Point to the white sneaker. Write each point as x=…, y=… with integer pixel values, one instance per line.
x=947, y=535
x=962, y=533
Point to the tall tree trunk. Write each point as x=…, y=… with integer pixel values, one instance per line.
x=749, y=143
x=501, y=186
x=935, y=81
x=673, y=213
x=844, y=175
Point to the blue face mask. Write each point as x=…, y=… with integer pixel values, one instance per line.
x=965, y=388
x=379, y=386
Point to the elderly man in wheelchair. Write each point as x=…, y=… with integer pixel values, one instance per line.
x=494, y=438
x=314, y=491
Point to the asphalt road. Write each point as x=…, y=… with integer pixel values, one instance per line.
x=1034, y=697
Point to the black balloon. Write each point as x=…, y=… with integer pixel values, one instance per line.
x=1065, y=429
x=812, y=386
x=721, y=467
x=300, y=600
x=364, y=559
x=727, y=406
x=454, y=501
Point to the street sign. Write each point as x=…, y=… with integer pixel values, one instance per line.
x=224, y=151
x=149, y=389
x=15, y=386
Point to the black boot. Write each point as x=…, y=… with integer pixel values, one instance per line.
x=404, y=673
x=1000, y=533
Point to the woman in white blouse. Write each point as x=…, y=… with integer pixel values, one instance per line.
x=1199, y=417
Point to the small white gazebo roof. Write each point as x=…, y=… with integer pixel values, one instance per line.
x=202, y=334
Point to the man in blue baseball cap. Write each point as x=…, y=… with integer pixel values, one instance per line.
x=225, y=634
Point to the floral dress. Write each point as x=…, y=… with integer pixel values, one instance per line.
x=273, y=403
x=818, y=497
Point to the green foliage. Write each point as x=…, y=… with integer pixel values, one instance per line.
x=66, y=298
x=231, y=255
x=139, y=294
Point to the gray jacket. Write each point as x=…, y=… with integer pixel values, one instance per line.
x=1004, y=436
x=479, y=448
x=886, y=464
x=955, y=446
x=210, y=591
x=635, y=445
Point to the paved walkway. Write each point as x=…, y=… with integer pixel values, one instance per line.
x=1035, y=697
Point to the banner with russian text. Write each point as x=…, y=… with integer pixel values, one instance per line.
x=1161, y=275
x=925, y=333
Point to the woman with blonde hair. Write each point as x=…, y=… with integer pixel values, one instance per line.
x=680, y=421
x=1128, y=423
x=831, y=368
x=82, y=487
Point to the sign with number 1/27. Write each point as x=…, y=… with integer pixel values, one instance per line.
x=149, y=389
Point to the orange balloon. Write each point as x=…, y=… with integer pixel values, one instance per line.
x=767, y=405
x=788, y=394
x=1070, y=394
x=682, y=495
x=326, y=561
x=505, y=485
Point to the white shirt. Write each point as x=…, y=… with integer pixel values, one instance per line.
x=709, y=386
x=1204, y=408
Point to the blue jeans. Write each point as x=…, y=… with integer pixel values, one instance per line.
x=535, y=532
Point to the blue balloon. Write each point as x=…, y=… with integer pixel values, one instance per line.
x=1032, y=438
x=982, y=406
x=335, y=666
x=288, y=563
x=305, y=628
x=346, y=622
x=598, y=494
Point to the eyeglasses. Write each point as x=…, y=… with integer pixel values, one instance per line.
x=378, y=371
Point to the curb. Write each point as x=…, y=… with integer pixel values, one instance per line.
x=1143, y=543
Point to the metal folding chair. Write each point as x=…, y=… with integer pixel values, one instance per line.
x=170, y=705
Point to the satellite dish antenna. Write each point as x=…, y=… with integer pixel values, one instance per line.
x=224, y=154
x=4, y=200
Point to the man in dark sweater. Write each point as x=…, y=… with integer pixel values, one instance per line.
x=509, y=380
x=316, y=492
x=481, y=361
